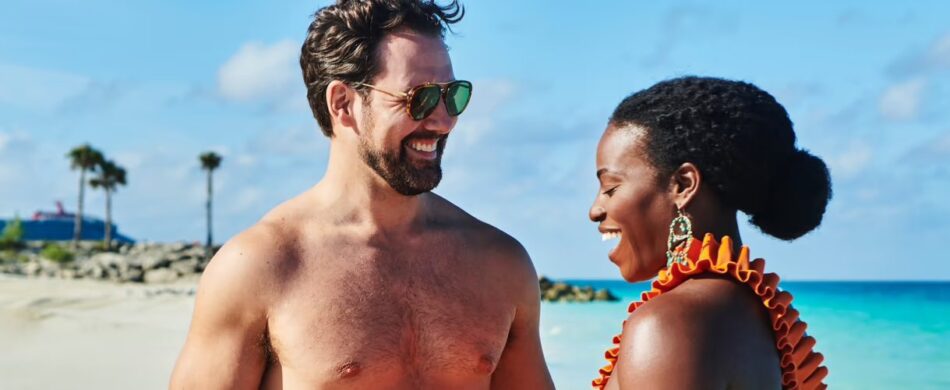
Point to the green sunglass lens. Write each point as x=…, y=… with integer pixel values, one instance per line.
x=457, y=97
x=424, y=101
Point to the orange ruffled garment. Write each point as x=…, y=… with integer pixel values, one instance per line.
x=801, y=368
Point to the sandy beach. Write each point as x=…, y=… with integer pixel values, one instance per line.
x=82, y=334
x=68, y=334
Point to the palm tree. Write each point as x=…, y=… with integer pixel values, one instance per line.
x=110, y=177
x=84, y=158
x=209, y=162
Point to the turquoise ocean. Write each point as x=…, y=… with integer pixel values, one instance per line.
x=874, y=335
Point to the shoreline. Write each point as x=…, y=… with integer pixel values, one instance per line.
x=60, y=333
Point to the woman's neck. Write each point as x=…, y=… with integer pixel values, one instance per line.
x=719, y=222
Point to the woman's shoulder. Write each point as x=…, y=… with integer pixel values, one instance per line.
x=708, y=299
x=711, y=310
x=698, y=332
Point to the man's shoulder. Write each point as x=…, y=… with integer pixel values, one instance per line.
x=495, y=251
x=502, y=244
x=257, y=257
x=479, y=234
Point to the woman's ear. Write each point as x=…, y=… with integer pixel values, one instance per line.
x=340, y=98
x=684, y=184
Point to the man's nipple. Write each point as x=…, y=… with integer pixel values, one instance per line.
x=349, y=370
x=485, y=365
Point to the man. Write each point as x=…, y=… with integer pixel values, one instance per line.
x=368, y=280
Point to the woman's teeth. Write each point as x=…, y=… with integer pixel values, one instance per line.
x=423, y=146
x=609, y=236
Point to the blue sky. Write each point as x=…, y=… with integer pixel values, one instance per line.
x=154, y=83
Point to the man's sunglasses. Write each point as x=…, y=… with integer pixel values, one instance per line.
x=422, y=100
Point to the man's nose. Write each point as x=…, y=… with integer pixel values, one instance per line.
x=440, y=121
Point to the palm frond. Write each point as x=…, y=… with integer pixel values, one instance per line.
x=210, y=161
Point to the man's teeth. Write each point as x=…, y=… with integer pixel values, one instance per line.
x=609, y=236
x=423, y=146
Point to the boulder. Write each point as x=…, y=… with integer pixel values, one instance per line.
x=32, y=268
x=545, y=283
x=109, y=259
x=112, y=274
x=605, y=295
x=9, y=268
x=135, y=275
x=202, y=264
x=160, y=275
x=195, y=251
x=152, y=260
x=91, y=270
x=176, y=247
x=49, y=268
x=552, y=291
x=187, y=266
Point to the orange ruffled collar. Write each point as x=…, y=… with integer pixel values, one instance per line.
x=801, y=366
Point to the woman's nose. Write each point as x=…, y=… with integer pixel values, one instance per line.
x=597, y=213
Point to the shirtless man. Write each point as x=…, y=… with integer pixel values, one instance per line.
x=368, y=280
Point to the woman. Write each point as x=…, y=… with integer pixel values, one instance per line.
x=676, y=163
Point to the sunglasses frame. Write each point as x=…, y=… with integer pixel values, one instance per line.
x=407, y=96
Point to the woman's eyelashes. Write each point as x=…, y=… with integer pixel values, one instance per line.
x=610, y=191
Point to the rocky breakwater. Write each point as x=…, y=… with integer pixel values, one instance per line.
x=129, y=263
x=156, y=263
x=552, y=291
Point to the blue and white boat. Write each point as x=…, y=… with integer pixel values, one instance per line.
x=58, y=226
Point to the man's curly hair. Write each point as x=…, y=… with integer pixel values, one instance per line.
x=742, y=141
x=342, y=41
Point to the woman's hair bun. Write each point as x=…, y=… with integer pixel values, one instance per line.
x=798, y=195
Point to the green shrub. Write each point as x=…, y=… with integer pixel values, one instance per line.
x=8, y=255
x=13, y=256
x=12, y=236
x=57, y=253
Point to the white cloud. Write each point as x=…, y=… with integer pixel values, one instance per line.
x=902, y=101
x=14, y=141
x=939, y=54
x=935, y=150
x=32, y=175
x=96, y=96
x=300, y=140
x=130, y=160
x=941, y=145
x=244, y=199
x=15, y=147
x=246, y=160
x=260, y=72
x=798, y=92
x=924, y=62
x=852, y=161
x=478, y=121
x=38, y=89
x=682, y=21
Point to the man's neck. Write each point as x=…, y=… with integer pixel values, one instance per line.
x=354, y=193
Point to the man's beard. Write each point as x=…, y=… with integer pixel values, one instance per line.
x=399, y=172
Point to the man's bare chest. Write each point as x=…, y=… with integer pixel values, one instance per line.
x=370, y=313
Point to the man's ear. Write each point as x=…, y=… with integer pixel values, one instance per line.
x=684, y=184
x=340, y=101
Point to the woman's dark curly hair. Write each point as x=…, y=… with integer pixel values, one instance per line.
x=743, y=143
x=342, y=41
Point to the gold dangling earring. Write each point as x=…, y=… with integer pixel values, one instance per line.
x=681, y=230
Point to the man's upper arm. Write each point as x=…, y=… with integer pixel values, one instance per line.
x=224, y=346
x=522, y=363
